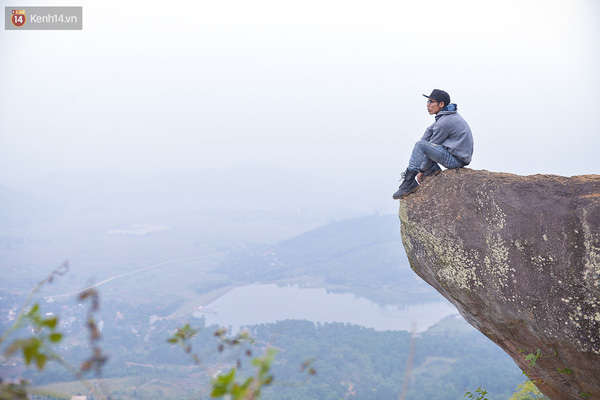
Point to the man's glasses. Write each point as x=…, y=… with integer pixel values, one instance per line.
x=431, y=101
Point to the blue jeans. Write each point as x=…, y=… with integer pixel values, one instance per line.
x=425, y=154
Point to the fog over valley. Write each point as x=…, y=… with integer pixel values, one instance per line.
x=230, y=165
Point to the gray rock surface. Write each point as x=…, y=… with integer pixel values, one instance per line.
x=519, y=256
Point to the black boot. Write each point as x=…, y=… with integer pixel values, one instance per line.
x=432, y=171
x=408, y=185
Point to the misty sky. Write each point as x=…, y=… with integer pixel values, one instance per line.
x=331, y=88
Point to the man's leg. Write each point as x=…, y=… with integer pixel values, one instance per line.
x=409, y=183
x=424, y=157
x=433, y=170
x=425, y=154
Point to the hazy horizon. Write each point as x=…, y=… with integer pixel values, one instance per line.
x=332, y=89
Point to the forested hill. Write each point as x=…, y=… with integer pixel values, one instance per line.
x=364, y=253
x=351, y=362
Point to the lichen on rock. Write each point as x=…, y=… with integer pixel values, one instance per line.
x=519, y=256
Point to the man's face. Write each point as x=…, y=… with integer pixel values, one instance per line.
x=433, y=107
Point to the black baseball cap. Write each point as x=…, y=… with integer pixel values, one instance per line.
x=439, y=95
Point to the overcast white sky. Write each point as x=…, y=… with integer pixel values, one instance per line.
x=328, y=87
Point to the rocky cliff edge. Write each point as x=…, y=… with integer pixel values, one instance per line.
x=519, y=256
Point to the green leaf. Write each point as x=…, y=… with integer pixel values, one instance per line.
x=55, y=337
x=50, y=322
x=40, y=361
x=246, y=383
x=218, y=391
x=30, y=349
x=565, y=371
x=532, y=358
x=237, y=391
x=28, y=353
x=222, y=384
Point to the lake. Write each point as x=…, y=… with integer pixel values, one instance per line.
x=258, y=304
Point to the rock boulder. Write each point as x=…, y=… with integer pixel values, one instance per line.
x=519, y=256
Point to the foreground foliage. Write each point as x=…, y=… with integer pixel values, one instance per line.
x=344, y=361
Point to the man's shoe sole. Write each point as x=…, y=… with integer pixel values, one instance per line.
x=406, y=194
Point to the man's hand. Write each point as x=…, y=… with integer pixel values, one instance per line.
x=420, y=177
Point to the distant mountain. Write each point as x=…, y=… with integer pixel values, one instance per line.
x=364, y=253
x=360, y=250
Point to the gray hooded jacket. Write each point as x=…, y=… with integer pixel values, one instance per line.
x=451, y=131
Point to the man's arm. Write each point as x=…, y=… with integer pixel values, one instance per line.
x=439, y=134
x=428, y=133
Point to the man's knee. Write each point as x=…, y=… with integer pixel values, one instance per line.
x=422, y=144
x=430, y=149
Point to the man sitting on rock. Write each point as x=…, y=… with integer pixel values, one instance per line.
x=448, y=141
